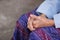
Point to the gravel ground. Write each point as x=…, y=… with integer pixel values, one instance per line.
x=10, y=11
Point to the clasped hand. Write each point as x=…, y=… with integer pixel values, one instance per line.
x=38, y=22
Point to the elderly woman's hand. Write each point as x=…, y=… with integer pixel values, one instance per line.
x=39, y=21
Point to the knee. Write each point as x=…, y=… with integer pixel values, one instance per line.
x=34, y=36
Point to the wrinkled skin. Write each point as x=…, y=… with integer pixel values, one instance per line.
x=38, y=22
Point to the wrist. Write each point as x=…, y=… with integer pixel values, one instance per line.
x=51, y=22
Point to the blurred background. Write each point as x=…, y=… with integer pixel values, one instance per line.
x=10, y=11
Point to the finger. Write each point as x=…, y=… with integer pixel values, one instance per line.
x=30, y=26
x=36, y=24
x=33, y=16
x=31, y=29
x=28, y=19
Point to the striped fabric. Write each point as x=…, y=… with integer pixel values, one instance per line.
x=23, y=33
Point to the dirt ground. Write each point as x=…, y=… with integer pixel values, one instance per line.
x=10, y=11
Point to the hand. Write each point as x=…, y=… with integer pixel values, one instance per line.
x=41, y=21
x=38, y=21
x=31, y=20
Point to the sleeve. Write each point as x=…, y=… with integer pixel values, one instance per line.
x=48, y=7
x=58, y=6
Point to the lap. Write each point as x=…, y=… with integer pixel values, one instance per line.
x=21, y=31
x=47, y=33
